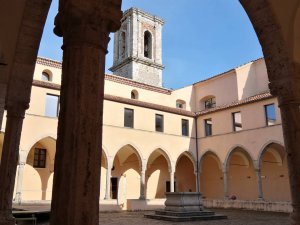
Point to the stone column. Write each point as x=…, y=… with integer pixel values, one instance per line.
x=9, y=160
x=85, y=27
x=259, y=184
x=18, y=197
x=225, y=179
x=108, y=178
x=287, y=89
x=172, y=179
x=143, y=183
x=197, y=174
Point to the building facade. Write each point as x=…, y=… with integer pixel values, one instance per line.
x=222, y=136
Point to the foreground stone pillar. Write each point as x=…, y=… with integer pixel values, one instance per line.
x=108, y=178
x=288, y=92
x=225, y=179
x=18, y=197
x=9, y=160
x=143, y=183
x=85, y=27
x=259, y=184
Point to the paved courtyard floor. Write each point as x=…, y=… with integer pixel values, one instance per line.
x=235, y=217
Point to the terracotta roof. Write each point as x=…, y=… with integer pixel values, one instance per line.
x=126, y=81
x=148, y=105
x=124, y=100
x=113, y=78
x=255, y=98
x=46, y=84
x=48, y=62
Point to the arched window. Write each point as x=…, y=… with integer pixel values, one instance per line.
x=148, y=44
x=208, y=102
x=122, y=44
x=134, y=94
x=46, y=76
x=180, y=104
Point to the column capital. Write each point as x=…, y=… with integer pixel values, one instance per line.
x=16, y=108
x=87, y=22
x=286, y=89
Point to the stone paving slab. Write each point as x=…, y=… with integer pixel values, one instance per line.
x=235, y=217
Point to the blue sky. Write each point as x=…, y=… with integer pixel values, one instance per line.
x=201, y=38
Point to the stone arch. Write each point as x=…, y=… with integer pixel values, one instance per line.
x=127, y=163
x=28, y=145
x=211, y=175
x=190, y=156
x=164, y=153
x=214, y=155
x=134, y=148
x=157, y=173
x=34, y=190
x=239, y=166
x=185, y=172
x=242, y=152
x=264, y=148
x=274, y=172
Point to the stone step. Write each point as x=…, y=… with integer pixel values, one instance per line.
x=187, y=218
x=184, y=214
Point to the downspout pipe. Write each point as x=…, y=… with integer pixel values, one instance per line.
x=197, y=155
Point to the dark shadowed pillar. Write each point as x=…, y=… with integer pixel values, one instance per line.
x=18, y=97
x=85, y=27
x=288, y=92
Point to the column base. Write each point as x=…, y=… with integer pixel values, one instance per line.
x=6, y=218
x=295, y=216
x=142, y=198
x=260, y=199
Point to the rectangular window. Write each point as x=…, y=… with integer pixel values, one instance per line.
x=184, y=127
x=237, y=121
x=159, y=122
x=39, y=158
x=270, y=114
x=128, y=117
x=51, y=108
x=208, y=127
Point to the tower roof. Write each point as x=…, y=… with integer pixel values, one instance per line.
x=134, y=10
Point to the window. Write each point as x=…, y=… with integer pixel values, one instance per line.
x=237, y=121
x=210, y=103
x=46, y=76
x=159, y=123
x=134, y=94
x=208, y=127
x=184, y=127
x=147, y=44
x=270, y=114
x=39, y=158
x=51, y=108
x=180, y=104
x=128, y=117
x=122, y=44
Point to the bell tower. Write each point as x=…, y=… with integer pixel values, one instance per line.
x=138, y=48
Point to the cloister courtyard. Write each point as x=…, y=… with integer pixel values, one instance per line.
x=235, y=217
